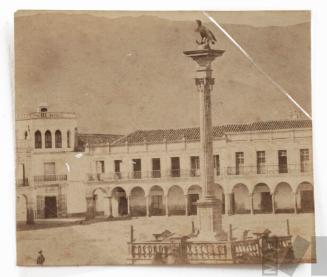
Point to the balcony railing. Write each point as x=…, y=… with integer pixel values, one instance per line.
x=50, y=178
x=46, y=115
x=22, y=182
x=266, y=170
x=292, y=169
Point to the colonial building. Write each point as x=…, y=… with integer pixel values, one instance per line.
x=260, y=167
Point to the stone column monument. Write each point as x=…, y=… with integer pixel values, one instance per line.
x=209, y=207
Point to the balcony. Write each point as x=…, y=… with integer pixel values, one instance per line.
x=47, y=115
x=270, y=170
x=22, y=182
x=134, y=175
x=267, y=170
x=50, y=178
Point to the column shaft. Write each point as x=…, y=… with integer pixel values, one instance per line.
x=206, y=156
x=110, y=206
x=147, y=205
x=166, y=205
x=186, y=205
x=251, y=203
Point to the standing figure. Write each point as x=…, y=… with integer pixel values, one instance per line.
x=40, y=258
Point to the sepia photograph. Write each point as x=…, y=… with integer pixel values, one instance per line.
x=163, y=138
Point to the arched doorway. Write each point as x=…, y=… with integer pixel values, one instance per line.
x=120, y=202
x=194, y=193
x=156, y=198
x=21, y=208
x=283, y=198
x=240, y=199
x=304, y=199
x=262, y=200
x=137, y=202
x=101, y=205
x=219, y=193
x=176, y=201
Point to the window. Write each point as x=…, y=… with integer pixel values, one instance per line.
x=137, y=168
x=99, y=167
x=216, y=164
x=195, y=166
x=239, y=162
x=282, y=161
x=38, y=139
x=117, y=168
x=261, y=162
x=48, y=139
x=175, y=167
x=68, y=139
x=156, y=168
x=50, y=171
x=58, y=142
x=304, y=160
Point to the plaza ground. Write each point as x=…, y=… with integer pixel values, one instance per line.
x=105, y=242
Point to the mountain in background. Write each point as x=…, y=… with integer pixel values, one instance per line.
x=128, y=73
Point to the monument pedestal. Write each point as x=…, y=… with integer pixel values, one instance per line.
x=210, y=220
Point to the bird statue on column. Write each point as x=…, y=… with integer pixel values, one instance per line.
x=207, y=37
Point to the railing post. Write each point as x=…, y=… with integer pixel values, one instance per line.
x=288, y=227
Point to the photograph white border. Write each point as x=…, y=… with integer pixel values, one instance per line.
x=7, y=146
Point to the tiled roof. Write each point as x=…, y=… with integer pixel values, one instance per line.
x=189, y=134
x=82, y=139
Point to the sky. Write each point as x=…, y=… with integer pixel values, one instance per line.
x=122, y=73
x=253, y=18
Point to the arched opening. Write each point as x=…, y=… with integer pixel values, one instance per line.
x=120, y=205
x=194, y=193
x=21, y=209
x=241, y=199
x=101, y=205
x=137, y=202
x=157, y=206
x=58, y=140
x=262, y=200
x=68, y=139
x=283, y=198
x=48, y=139
x=38, y=139
x=176, y=201
x=304, y=198
x=219, y=193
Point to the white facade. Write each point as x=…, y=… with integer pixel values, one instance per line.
x=261, y=170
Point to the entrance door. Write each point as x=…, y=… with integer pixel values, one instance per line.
x=50, y=207
x=266, y=202
x=307, y=201
x=122, y=206
x=193, y=198
x=157, y=205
